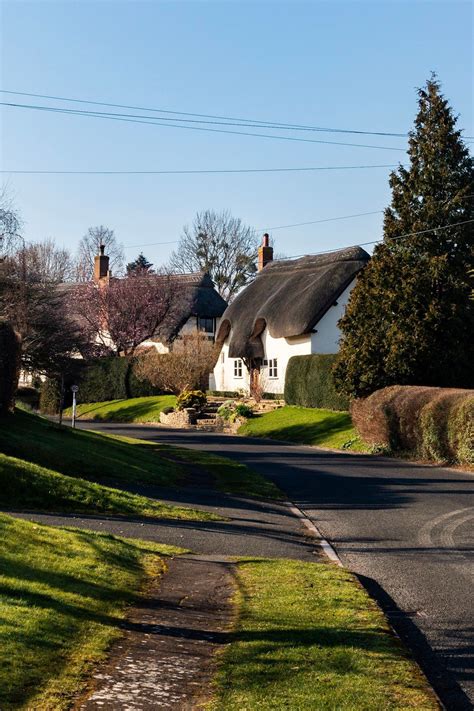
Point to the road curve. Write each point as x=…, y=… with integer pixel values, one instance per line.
x=407, y=530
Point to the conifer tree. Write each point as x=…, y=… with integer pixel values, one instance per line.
x=410, y=318
x=139, y=265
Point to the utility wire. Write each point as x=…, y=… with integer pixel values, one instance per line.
x=376, y=241
x=130, y=118
x=278, y=124
x=191, y=172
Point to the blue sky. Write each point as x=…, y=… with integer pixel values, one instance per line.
x=338, y=64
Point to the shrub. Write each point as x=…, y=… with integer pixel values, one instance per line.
x=9, y=366
x=105, y=379
x=309, y=383
x=28, y=396
x=191, y=398
x=167, y=410
x=429, y=423
x=231, y=410
x=223, y=393
x=50, y=397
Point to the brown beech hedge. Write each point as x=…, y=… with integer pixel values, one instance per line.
x=427, y=423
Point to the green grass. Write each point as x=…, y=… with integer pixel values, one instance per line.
x=309, y=637
x=50, y=468
x=303, y=425
x=63, y=594
x=138, y=409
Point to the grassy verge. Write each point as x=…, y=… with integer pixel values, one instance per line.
x=228, y=476
x=50, y=468
x=63, y=594
x=138, y=409
x=303, y=425
x=309, y=637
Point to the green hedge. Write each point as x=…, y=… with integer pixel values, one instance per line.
x=309, y=383
x=50, y=397
x=423, y=422
x=104, y=379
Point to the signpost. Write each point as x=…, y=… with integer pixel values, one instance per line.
x=74, y=389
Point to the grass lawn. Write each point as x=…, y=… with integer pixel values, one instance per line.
x=309, y=637
x=137, y=409
x=63, y=594
x=304, y=425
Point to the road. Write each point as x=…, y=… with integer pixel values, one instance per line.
x=407, y=531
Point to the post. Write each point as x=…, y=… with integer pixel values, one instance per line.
x=74, y=389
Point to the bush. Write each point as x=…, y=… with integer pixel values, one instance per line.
x=191, y=398
x=427, y=423
x=9, y=366
x=105, y=379
x=309, y=383
x=50, y=397
x=230, y=410
x=28, y=396
x=222, y=393
x=167, y=410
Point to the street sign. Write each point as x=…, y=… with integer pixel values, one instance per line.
x=74, y=388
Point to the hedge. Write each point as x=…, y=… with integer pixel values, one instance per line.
x=309, y=383
x=50, y=397
x=436, y=424
x=104, y=379
x=9, y=366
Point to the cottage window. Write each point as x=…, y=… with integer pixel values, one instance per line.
x=273, y=368
x=205, y=324
x=238, y=368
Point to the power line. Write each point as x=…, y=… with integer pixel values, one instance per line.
x=130, y=118
x=317, y=222
x=376, y=241
x=281, y=125
x=192, y=172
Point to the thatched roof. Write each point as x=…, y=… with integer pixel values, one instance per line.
x=195, y=295
x=288, y=297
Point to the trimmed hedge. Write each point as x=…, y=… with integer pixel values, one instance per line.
x=309, y=383
x=105, y=379
x=50, y=397
x=427, y=423
x=9, y=366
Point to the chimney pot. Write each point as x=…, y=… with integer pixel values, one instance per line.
x=101, y=266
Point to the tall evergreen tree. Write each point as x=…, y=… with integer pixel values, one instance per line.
x=410, y=319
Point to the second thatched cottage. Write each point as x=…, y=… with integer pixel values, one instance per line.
x=291, y=308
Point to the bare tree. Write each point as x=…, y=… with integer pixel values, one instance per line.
x=48, y=263
x=221, y=245
x=89, y=248
x=10, y=223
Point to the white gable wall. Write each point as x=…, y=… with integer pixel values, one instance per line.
x=326, y=338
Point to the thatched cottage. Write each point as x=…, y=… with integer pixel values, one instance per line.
x=291, y=308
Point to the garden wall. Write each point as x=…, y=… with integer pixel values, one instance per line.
x=427, y=423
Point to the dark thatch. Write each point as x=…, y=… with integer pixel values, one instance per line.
x=288, y=297
x=194, y=295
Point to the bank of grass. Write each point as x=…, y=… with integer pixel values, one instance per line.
x=50, y=468
x=304, y=425
x=63, y=594
x=309, y=637
x=137, y=409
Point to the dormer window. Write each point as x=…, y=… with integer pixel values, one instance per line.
x=205, y=324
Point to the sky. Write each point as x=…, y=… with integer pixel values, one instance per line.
x=347, y=65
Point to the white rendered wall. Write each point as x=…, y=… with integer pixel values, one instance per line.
x=326, y=338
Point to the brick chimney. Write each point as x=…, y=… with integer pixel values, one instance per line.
x=101, y=265
x=265, y=252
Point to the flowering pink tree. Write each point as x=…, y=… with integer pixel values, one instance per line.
x=121, y=314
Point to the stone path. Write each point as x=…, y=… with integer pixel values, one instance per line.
x=166, y=658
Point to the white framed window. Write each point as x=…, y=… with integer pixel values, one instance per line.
x=205, y=324
x=238, y=373
x=273, y=368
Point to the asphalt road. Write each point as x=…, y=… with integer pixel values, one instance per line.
x=407, y=530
